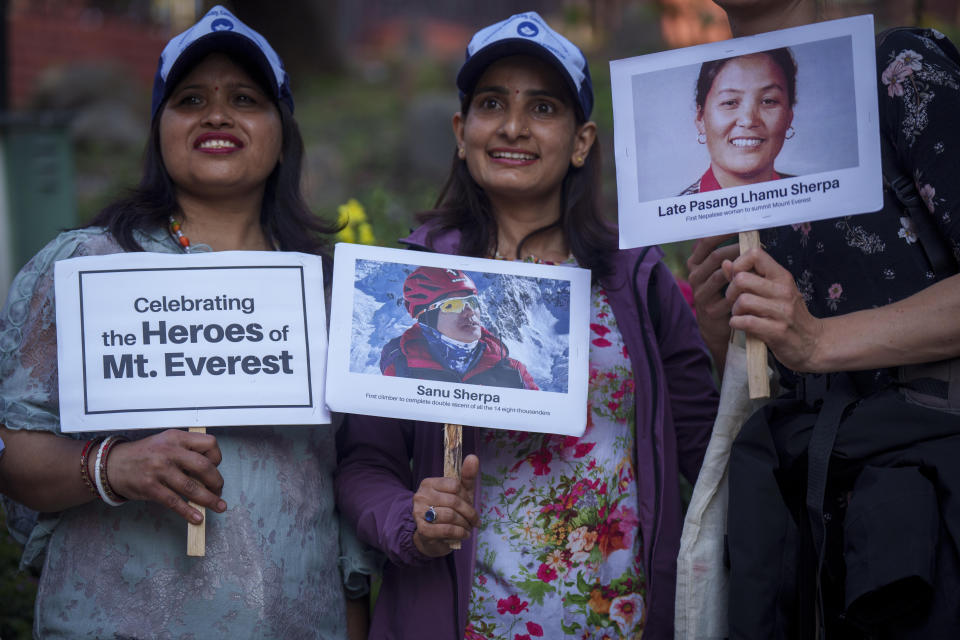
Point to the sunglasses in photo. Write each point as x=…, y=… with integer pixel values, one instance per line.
x=455, y=305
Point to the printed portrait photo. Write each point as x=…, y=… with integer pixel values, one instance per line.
x=747, y=119
x=748, y=133
x=444, y=324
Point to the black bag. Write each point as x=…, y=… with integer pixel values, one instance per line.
x=869, y=550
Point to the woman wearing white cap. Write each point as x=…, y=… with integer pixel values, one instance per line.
x=222, y=168
x=564, y=536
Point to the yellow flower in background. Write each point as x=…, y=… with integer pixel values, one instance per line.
x=356, y=229
x=346, y=235
x=365, y=232
x=351, y=212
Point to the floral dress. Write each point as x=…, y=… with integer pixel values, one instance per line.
x=557, y=550
x=859, y=262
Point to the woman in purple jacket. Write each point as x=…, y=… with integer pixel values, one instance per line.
x=561, y=535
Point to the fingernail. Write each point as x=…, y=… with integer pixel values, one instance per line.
x=196, y=517
x=221, y=506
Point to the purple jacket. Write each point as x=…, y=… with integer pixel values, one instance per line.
x=676, y=402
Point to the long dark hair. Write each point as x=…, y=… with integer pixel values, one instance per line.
x=463, y=205
x=285, y=218
x=781, y=57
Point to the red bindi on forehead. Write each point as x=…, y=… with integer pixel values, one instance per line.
x=216, y=88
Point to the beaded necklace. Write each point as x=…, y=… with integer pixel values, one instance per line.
x=177, y=233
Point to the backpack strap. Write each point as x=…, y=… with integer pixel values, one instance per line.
x=834, y=392
x=938, y=253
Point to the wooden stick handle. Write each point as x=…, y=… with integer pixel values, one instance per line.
x=757, y=378
x=452, y=457
x=197, y=533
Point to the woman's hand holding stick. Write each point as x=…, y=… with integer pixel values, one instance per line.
x=754, y=294
x=166, y=466
x=443, y=510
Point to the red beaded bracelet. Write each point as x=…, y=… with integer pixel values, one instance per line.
x=84, y=469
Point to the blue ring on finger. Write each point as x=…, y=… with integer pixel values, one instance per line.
x=430, y=514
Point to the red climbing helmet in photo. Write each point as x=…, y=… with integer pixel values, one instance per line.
x=429, y=284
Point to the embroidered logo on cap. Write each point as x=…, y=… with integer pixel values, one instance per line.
x=221, y=24
x=528, y=29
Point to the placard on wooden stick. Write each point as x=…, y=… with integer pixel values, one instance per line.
x=524, y=341
x=525, y=354
x=790, y=148
x=149, y=341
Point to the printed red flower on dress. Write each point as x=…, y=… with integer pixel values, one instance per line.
x=583, y=449
x=601, y=331
x=546, y=572
x=513, y=605
x=540, y=460
x=617, y=532
x=534, y=629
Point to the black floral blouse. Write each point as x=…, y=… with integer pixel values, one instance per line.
x=864, y=261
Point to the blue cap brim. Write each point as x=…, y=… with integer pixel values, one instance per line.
x=238, y=48
x=476, y=64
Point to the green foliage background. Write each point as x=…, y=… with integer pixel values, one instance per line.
x=17, y=589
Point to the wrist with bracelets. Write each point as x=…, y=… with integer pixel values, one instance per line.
x=100, y=484
x=84, y=465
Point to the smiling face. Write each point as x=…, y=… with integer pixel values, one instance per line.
x=520, y=134
x=463, y=326
x=220, y=134
x=745, y=117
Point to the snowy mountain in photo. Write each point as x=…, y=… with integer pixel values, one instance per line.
x=531, y=316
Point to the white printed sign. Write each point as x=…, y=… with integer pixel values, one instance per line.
x=151, y=340
x=459, y=340
x=774, y=142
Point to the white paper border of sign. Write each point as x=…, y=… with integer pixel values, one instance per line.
x=394, y=397
x=860, y=187
x=137, y=410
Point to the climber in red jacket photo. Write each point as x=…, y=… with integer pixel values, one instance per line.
x=448, y=341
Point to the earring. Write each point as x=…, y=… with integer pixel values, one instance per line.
x=702, y=138
x=578, y=161
x=790, y=132
x=461, y=152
